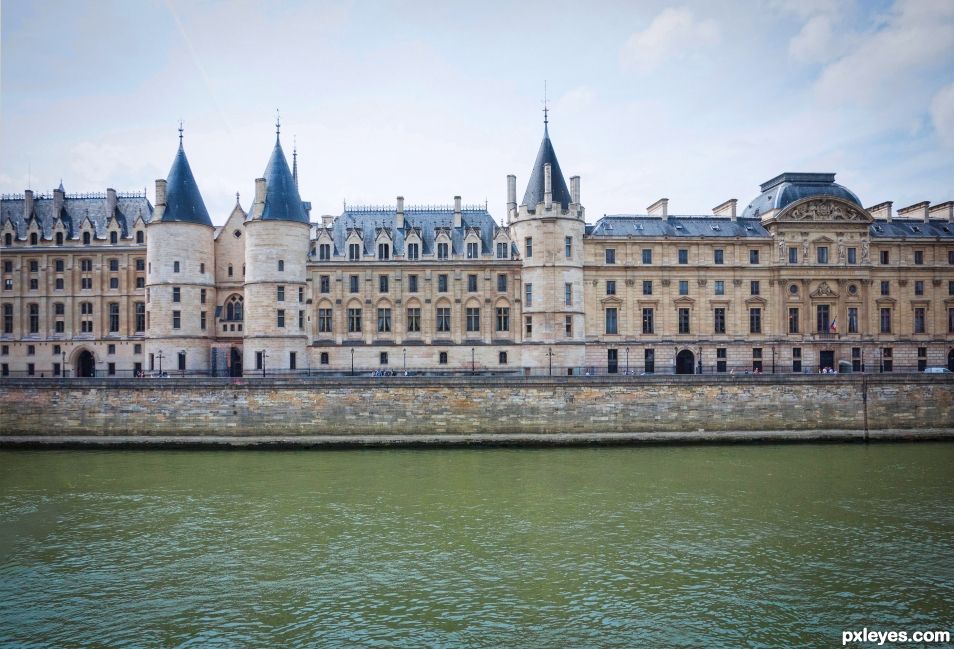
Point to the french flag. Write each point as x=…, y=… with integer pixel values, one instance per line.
x=834, y=324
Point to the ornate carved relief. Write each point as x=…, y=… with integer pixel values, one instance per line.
x=824, y=290
x=823, y=209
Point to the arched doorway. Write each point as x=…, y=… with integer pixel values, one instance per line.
x=685, y=362
x=950, y=360
x=85, y=364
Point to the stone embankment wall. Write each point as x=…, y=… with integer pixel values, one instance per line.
x=351, y=408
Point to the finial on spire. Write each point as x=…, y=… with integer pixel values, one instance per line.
x=237, y=198
x=546, y=104
x=180, y=132
x=295, y=160
x=278, y=123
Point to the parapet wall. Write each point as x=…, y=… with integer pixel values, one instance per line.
x=350, y=408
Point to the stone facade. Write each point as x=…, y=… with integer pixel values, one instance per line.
x=804, y=278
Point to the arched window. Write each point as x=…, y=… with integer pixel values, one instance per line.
x=233, y=308
x=281, y=265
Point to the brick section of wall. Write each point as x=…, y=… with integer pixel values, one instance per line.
x=409, y=406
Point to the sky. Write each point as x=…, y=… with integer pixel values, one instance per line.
x=698, y=102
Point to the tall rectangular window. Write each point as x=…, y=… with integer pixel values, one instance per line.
x=114, y=317
x=568, y=247
x=754, y=287
x=611, y=287
x=683, y=256
x=528, y=294
x=34, y=310
x=718, y=256
x=528, y=326
x=280, y=319
x=649, y=361
x=140, y=317
x=176, y=294
x=919, y=320
x=384, y=321
x=501, y=250
x=503, y=318
x=950, y=320
x=823, y=318
x=353, y=283
x=528, y=247
x=718, y=320
x=472, y=283
x=383, y=284
x=443, y=319
x=472, y=252
x=324, y=321
x=568, y=293
x=324, y=252
x=852, y=255
x=442, y=283
x=683, y=287
x=568, y=326
x=442, y=250
x=473, y=319
x=683, y=320
x=755, y=320
x=610, y=255
x=8, y=318
x=753, y=256
x=822, y=254
x=793, y=254
x=413, y=319
x=648, y=324
x=412, y=283
x=721, y=360
x=852, y=320
x=281, y=294
x=884, y=257
x=501, y=283
x=354, y=321
x=413, y=250
x=885, y=320
x=918, y=257
x=202, y=320
x=384, y=251
x=793, y=320
x=719, y=286
x=647, y=287
x=885, y=287
x=176, y=319
x=354, y=251
x=612, y=326
x=647, y=256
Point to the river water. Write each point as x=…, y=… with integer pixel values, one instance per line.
x=694, y=546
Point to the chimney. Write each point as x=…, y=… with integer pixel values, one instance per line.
x=399, y=217
x=110, y=204
x=511, y=197
x=160, y=192
x=659, y=208
x=727, y=208
x=547, y=186
x=327, y=220
x=27, y=205
x=575, y=190
x=881, y=211
x=943, y=211
x=916, y=211
x=458, y=219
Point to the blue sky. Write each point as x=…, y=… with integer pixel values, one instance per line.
x=694, y=101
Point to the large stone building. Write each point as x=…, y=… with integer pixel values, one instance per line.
x=804, y=278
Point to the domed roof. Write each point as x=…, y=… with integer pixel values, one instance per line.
x=789, y=187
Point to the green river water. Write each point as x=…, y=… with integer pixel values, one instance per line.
x=686, y=546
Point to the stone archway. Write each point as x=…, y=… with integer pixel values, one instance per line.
x=685, y=362
x=85, y=364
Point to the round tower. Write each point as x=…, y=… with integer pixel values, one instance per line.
x=276, y=251
x=548, y=227
x=180, y=274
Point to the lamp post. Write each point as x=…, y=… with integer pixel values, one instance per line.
x=159, y=356
x=352, y=361
x=473, y=362
x=264, y=356
x=404, y=353
x=627, y=361
x=550, y=359
x=773, y=359
x=63, y=365
x=182, y=356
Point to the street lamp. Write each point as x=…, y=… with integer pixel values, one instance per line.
x=159, y=356
x=63, y=365
x=352, y=361
x=473, y=362
x=404, y=353
x=264, y=356
x=627, y=361
x=550, y=359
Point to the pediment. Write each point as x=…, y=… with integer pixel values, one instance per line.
x=757, y=299
x=824, y=290
x=611, y=300
x=885, y=300
x=684, y=301
x=823, y=209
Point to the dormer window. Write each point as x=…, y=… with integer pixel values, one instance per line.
x=86, y=238
x=442, y=251
x=33, y=239
x=384, y=251
x=502, y=250
x=354, y=251
x=324, y=251
x=59, y=238
x=472, y=250
x=114, y=237
x=413, y=250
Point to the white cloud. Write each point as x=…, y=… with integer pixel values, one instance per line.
x=942, y=114
x=819, y=41
x=673, y=34
x=918, y=37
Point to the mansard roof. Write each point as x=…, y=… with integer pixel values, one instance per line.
x=789, y=187
x=535, y=188
x=623, y=225
x=427, y=220
x=911, y=229
x=183, y=201
x=282, y=201
x=76, y=208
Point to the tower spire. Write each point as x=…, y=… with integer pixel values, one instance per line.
x=295, y=160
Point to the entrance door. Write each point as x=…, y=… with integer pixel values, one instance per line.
x=826, y=358
x=685, y=362
x=950, y=360
x=235, y=363
x=85, y=364
x=612, y=361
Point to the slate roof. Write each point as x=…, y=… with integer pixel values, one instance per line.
x=183, y=201
x=912, y=229
x=535, y=188
x=789, y=187
x=427, y=219
x=129, y=207
x=622, y=225
x=282, y=201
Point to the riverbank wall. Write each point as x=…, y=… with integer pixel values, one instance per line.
x=474, y=410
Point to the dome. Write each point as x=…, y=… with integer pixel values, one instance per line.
x=789, y=187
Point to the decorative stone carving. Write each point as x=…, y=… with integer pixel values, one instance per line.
x=864, y=251
x=664, y=282
x=823, y=210
x=631, y=282
x=737, y=282
x=824, y=290
x=902, y=282
x=701, y=282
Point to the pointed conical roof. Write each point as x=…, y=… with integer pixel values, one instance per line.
x=183, y=201
x=535, y=188
x=282, y=201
